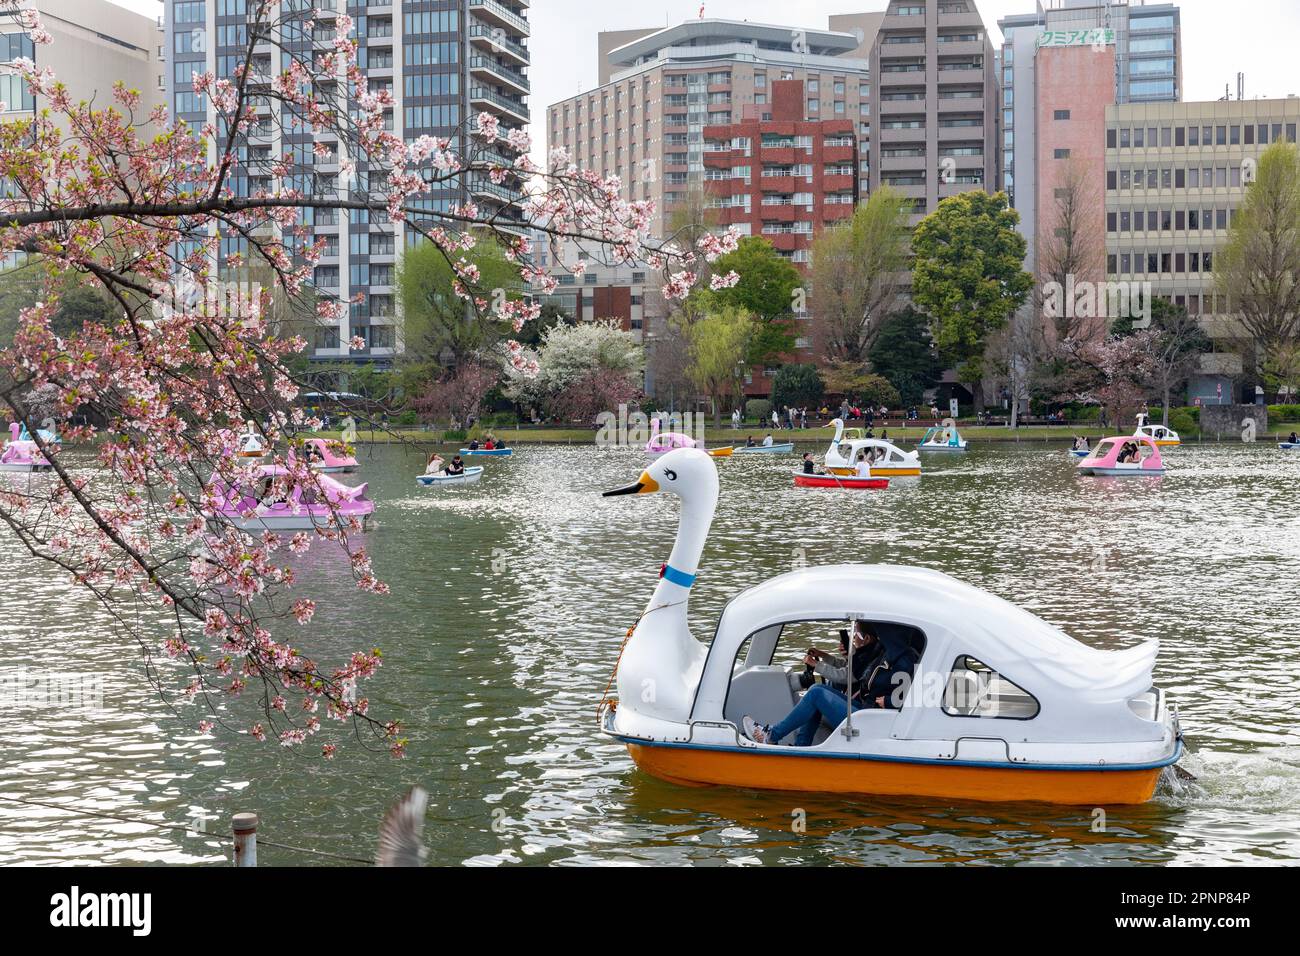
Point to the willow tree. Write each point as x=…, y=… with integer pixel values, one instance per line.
x=718, y=344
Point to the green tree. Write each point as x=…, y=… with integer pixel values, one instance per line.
x=904, y=354
x=718, y=344
x=79, y=301
x=857, y=275
x=856, y=383
x=797, y=385
x=439, y=330
x=1179, y=343
x=766, y=291
x=1257, y=268
x=968, y=275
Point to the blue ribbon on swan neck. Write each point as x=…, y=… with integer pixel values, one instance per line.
x=679, y=578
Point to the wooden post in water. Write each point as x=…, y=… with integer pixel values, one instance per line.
x=245, y=829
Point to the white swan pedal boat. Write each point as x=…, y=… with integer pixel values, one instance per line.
x=443, y=480
x=1001, y=705
x=1162, y=435
x=890, y=461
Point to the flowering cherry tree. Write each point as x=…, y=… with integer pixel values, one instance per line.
x=151, y=406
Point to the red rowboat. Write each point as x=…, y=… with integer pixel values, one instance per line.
x=802, y=480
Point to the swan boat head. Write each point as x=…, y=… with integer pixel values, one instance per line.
x=661, y=663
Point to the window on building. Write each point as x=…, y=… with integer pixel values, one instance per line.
x=1060, y=114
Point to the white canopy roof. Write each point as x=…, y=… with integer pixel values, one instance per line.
x=1068, y=678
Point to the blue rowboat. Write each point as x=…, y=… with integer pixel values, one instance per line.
x=494, y=452
x=468, y=477
x=782, y=449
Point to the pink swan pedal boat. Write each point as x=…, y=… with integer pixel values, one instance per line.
x=326, y=457
x=661, y=443
x=1104, y=459
x=22, y=454
x=253, y=503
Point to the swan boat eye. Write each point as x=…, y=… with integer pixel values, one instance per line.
x=670, y=474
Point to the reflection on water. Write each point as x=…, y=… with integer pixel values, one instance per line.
x=510, y=599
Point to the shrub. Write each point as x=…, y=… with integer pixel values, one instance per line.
x=758, y=408
x=458, y=435
x=407, y=419
x=1181, y=421
x=1284, y=413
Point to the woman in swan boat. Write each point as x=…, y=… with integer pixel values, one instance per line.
x=999, y=705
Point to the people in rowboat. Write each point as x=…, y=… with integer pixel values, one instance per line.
x=435, y=464
x=456, y=467
x=749, y=442
x=767, y=441
x=473, y=444
x=882, y=687
x=1293, y=440
x=1081, y=443
x=809, y=465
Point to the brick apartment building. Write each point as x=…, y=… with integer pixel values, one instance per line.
x=776, y=173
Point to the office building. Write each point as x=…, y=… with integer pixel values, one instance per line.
x=1175, y=176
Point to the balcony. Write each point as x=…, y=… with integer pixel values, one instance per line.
x=836, y=212
x=512, y=108
x=969, y=22
x=835, y=184
x=492, y=40
x=948, y=133
x=961, y=47
x=901, y=77
x=490, y=70
x=910, y=136
x=839, y=154
x=492, y=12
x=966, y=77
x=482, y=186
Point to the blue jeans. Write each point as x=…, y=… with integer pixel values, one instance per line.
x=819, y=701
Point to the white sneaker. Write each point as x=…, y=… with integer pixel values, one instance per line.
x=755, y=731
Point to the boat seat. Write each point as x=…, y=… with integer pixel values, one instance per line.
x=763, y=692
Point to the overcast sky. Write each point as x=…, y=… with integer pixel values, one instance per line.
x=1220, y=37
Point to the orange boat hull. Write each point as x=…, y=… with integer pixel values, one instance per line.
x=766, y=771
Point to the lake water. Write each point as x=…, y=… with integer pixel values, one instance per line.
x=511, y=597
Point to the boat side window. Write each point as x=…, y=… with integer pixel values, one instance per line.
x=976, y=690
x=1103, y=449
x=846, y=450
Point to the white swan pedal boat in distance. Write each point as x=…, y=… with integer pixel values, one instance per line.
x=890, y=460
x=1002, y=706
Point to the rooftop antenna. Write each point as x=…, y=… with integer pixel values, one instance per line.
x=1241, y=86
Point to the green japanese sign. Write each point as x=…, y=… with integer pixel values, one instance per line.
x=1097, y=37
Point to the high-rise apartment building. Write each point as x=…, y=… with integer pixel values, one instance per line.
x=1175, y=175
x=445, y=61
x=934, y=100
x=660, y=89
x=777, y=173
